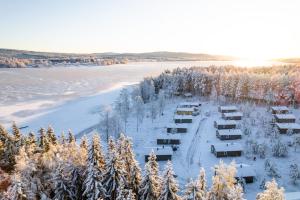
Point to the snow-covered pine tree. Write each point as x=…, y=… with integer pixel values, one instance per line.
x=131, y=195
x=3, y=134
x=161, y=102
x=272, y=192
x=62, y=138
x=71, y=138
x=169, y=185
x=42, y=138
x=84, y=143
x=121, y=191
x=16, y=132
x=93, y=188
x=114, y=172
x=15, y=190
x=192, y=191
x=62, y=186
x=139, y=110
x=279, y=149
x=76, y=182
x=123, y=106
x=98, y=151
x=51, y=137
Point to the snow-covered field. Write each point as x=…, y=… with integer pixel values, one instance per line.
x=194, y=150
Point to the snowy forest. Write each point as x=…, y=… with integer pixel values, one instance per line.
x=272, y=85
x=47, y=167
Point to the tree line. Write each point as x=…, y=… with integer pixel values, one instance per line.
x=45, y=166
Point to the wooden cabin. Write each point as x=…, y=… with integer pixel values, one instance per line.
x=279, y=110
x=183, y=119
x=227, y=109
x=232, y=116
x=227, y=149
x=246, y=172
x=185, y=111
x=168, y=140
x=285, y=118
x=162, y=154
x=177, y=128
x=225, y=124
x=229, y=134
x=284, y=127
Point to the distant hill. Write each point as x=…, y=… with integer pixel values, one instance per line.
x=289, y=60
x=22, y=58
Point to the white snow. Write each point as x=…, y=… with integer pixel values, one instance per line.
x=288, y=125
x=285, y=116
x=233, y=114
x=221, y=122
x=183, y=117
x=279, y=108
x=229, y=132
x=245, y=170
x=292, y=196
x=189, y=104
x=185, y=109
x=222, y=108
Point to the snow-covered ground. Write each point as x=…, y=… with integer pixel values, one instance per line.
x=194, y=150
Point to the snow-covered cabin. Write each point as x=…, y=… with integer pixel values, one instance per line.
x=183, y=119
x=188, y=95
x=225, y=124
x=162, y=154
x=232, y=116
x=168, y=140
x=189, y=105
x=227, y=149
x=284, y=127
x=227, y=109
x=185, y=111
x=229, y=134
x=292, y=196
x=285, y=118
x=279, y=110
x=246, y=172
x=177, y=128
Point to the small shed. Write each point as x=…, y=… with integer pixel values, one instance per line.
x=227, y=149
x=187, y=104
x=227, y=109
x=232, y=116
x=279, y=110
x=177, y=128
x=162, y=154
x=285, y=118
x=225, y=124
x=185, y=111
x=183, y=119
x=284, y=127
x=188, y=95
x=246, y=172
x=168, y=140
x=229, y=134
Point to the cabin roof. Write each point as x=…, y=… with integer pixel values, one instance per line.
x=173, y=125
x=188, y=94
x=228, y=107
x=159, y=150
x=195, y=103
x=183, y=117
x=230, y=132
x=244, y=170
x=233, y=114
x=170, y=136
x=219, y=147
x=225, y=122
x=285, y=116
x=288, y=125
x=279, y=108
x=186, y=109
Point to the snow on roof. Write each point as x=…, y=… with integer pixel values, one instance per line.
x=285, y=116
x=230, y=132
x=170, y=136
x=159, y=150
x=233, y=114
x=183, y=117
x=225, y=122
x=279, y=108
x=186, y=109
x=228, y=107
x=188, y=94
x=228, y=147
x=190, y=104
x=292, y=196
x=173, y=125
x=244, y=170
x=288, y=125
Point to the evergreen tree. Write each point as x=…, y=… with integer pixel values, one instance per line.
x=51, y=137
x=42, y=138
x=62, y=138
x=16, y=132
x=62, y=185
x=3, y=134
x=99, y=156
x=93, y=188
x=16, y=190
x=71, y=136
x=169, y=185
x=114, y=173
x=272, y=192
x=84, y=142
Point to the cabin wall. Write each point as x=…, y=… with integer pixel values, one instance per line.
x=285, y=120
x=159, y=157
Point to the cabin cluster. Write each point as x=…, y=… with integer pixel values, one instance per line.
x=170, y=141
x=284, y=120
x=228, y=134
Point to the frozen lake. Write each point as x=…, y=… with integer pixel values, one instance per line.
x=31, y=92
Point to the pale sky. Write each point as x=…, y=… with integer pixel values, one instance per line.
x=249, y=28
